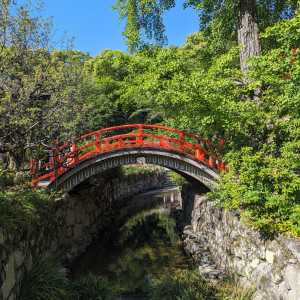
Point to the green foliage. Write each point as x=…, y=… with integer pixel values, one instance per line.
x=132, y=170
x=37, y=82
x=92, y=287
x=263, y=177
x=178, y=179
x=6, y=178
x=20, y=208
x=218, y=19
x=264, y=188
x=45, y=280
x=143, y=18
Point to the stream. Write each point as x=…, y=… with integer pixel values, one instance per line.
x=146, y=247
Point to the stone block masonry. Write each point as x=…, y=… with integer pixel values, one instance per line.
x=78, y=219
x=272, y=266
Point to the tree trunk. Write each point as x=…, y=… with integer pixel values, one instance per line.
x=247, y=30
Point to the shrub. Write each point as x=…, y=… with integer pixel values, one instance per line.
x=264, y=188
x=44, y=281
x=92, y=287
x=23, y=206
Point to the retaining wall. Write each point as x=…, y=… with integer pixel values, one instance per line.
x=272, y=265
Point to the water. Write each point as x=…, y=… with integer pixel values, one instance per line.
x=146, y=247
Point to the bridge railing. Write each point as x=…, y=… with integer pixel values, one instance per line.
x=71, y=154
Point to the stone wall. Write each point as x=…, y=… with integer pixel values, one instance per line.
x=77, y=220
x=272, y=265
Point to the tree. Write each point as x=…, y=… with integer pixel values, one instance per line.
x=219, y=18
x=35, y=81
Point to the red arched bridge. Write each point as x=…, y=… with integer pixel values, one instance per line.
x=191, y=156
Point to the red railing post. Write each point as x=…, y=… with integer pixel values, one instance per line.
x=211, y=162
x=181, y=142
x=140, y=136
x=34, y=181
x=98, y=143
x=55, y=161
x=167, y=144
x=120, y=142
x=198, y=152
x=161, y=142
x=222, y=143
x=52, y=176
x=74, y=154
x=32, y=167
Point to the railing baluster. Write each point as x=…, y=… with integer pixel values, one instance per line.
x=197, y=152
x=120, y=142
x=211, y=162
x=161, y=142
x=181, y=140
x=167, y=144
x=98, y=143
x=140, y=137
x=34, y=180
x=74, y=154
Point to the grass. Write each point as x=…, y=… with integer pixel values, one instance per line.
x=45, y=280
x=92, y=287
x=188, y=285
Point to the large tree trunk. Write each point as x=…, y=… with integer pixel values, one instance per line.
x=247, y=30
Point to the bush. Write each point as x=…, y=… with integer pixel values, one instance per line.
x=92, y=287
x=23, y=205
x=44, y=281
x=264, y=188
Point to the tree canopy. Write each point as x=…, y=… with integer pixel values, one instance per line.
x=36, y=81
x=200, y=87
x=222, y=21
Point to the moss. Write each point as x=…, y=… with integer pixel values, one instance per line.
x=237, y=244
x=228, y=252
x=246, y=240
x=262, y=279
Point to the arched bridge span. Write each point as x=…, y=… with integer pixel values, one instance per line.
x=189, y=155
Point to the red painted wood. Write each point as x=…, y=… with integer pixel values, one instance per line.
x=70, y=154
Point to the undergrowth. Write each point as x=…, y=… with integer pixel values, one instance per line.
x=188, y=285
x=92, y=287
x=22, y=205
x=46, y=280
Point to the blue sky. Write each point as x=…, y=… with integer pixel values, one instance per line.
x=96, y=27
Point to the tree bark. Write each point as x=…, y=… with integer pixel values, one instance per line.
x=247, y=30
